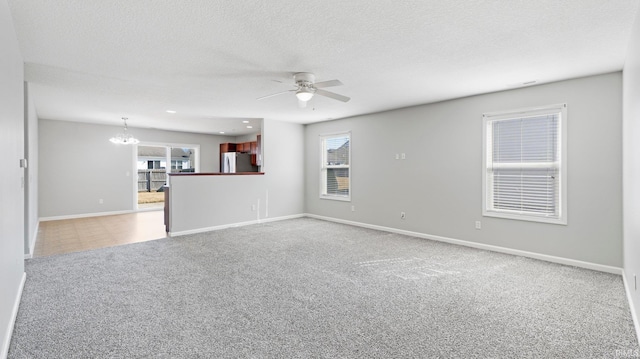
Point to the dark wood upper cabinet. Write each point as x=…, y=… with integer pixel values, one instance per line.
x=246, y=147
x=227, y=147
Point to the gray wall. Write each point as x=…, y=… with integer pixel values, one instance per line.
x=439, y=184
x=204, y=202
x=283, y=164
x=631, y=170
x=246, y=138
x=31, y=173
x=11, y=192
x=79, y=166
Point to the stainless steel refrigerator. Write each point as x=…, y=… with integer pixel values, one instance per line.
x=233, y=162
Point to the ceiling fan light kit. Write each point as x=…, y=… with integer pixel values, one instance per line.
x=304, y=94
x=306, y=88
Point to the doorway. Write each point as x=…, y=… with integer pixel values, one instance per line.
x=153, y=164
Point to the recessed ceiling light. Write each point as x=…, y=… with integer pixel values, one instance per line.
x=221, y=132
x=245, y=121
x=249, y=126
x=171, y=111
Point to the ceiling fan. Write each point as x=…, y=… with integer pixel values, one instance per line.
x=306, y=87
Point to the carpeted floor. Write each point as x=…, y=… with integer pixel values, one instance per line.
x=306, y=288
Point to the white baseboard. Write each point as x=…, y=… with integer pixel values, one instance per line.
x=4, y=350
x=154, y=209
x=488, y=247
x=32, y=242
x=34, y=238
x=85, y=215
x=632, y=308
x=233, y=225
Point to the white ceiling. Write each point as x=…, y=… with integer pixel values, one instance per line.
x=97, y=60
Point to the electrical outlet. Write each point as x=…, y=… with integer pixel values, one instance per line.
x=100, y=201
x=478, y=225
x=403, y=215
x=253, y=207
x=404, y=156
x=353, y=208
x=397, y=156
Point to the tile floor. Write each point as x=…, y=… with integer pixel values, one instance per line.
x=80, y=234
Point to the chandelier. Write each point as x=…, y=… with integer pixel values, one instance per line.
x=124, y=138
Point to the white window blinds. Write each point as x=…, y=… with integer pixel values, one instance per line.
x=523, y=164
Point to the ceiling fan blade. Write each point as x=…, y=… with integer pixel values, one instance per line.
x=275, y=94
x=302, y=104
x=329, y=83
x=332, y=95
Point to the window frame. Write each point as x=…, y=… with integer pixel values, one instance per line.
x=487, y=194
x=324, y=167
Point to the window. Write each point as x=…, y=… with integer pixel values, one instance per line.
x=335, y=181
x=525, y=164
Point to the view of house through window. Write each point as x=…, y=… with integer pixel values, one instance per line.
x=152, y=170
x=335, y=180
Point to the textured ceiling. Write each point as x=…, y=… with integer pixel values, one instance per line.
x=96, y=60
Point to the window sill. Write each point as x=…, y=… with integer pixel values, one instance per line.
x=336, y=198
x=524, y=217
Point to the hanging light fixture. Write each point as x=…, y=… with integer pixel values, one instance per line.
x=124, y=138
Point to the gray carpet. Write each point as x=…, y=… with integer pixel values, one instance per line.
x=306, y=288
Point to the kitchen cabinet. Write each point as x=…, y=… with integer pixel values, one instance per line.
x=253, y=150
x=227, y=147
x=246, y=147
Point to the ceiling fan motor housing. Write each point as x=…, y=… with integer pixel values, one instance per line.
x=304, y=79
